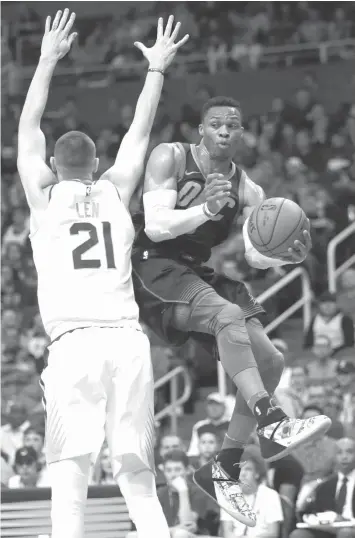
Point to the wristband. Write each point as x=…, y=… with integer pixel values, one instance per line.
x=155, y=70
x=207, y=212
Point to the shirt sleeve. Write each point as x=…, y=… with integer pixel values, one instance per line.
x=274, y=513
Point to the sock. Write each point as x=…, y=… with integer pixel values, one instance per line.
x=229, y=458
x=266, y=413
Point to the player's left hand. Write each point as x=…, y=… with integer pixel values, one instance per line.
x=299, y=251
x=56, y=41
x=163, y=52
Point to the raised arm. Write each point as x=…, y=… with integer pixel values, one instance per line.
x=253, y=196
x=31, y=159
x=128, y=167
x=162, y=220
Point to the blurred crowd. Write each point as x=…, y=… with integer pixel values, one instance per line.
x=226, y=32
x=296, y=149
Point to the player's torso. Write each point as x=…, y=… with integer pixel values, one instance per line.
x=190, y=188
x=82, y=252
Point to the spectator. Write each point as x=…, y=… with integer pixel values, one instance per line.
x=333, y=409
x=317, y=458
x=12, y=432
x=336, y=494
x=216, y=413
x=316, y=396
x=187, y=510
x=265, y=502
x=18, y=231
x=285, y=476
x=331, y=322
x=322, y=369
x=345, y=387
x=105, y=467
x=34, y=437
x=27, y=470
x=293, y=397
x=208, y=445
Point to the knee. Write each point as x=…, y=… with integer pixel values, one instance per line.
x=231, y=318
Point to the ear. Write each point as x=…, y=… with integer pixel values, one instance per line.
x=200, y=129
x=242, y=133
x=96, y=165
x=53, y=166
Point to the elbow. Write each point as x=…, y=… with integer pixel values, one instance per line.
x=156, y=235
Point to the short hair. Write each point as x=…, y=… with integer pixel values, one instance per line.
x=220, y=100
x=207, y=428
x=252, y=453
x=312, y=408
x=74, y=150
x=177, y=456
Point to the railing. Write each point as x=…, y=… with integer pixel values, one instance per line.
x=171, y=409
x=344, y=48
x=304, y=302
x=333, y=271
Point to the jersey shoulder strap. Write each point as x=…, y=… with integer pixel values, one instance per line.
x=180, y=151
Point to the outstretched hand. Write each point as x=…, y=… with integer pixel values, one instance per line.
x=163, y=52
x=299, y=251
x=56, y=41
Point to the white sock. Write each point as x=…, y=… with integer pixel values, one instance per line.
x=69, y=483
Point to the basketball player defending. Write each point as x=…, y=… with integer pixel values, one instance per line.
x=99, y=376
x=192, y=195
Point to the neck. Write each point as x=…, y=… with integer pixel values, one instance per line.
x=68, y=175
x=212, y=164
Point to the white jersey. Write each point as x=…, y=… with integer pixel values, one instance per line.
x=82, y=252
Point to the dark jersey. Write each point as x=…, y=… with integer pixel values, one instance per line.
x=190, y=187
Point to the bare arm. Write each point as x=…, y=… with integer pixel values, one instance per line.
x=34, y=173
x=162, y=220
x=128, y=167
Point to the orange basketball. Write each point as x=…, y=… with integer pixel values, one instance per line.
x=275, y=225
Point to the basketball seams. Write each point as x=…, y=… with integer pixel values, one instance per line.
x=256, y=210
x=289, y=235
x=275, y=222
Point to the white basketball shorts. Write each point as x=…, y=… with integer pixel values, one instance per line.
x=99, y=381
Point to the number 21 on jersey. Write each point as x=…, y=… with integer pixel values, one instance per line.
x=83, y=248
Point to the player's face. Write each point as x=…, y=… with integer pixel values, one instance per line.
x=222, y=130
x=208, y=445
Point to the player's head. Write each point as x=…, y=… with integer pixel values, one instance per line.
x=221, y=127
x=74, y=156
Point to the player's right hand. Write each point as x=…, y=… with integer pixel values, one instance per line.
x=163, y=52
x=56, y=41
x=217, y=191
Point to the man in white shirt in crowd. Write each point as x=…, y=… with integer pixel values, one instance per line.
x=13, y=430
x=264, y=501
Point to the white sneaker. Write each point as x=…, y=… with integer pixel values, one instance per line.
x=282, y=437
x=225, y=492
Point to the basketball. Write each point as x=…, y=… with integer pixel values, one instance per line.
x=275, y=225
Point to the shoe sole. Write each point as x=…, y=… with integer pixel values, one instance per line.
x=302, y=438
x=244, y=520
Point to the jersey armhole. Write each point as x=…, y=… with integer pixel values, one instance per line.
x=180, y=161
x=241, y=188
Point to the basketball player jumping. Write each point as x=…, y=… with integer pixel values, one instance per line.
x=99, y=376
x=192, y=195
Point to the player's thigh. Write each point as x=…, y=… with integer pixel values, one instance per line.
x=238, y=293
x=130, y=404
x=74, y=394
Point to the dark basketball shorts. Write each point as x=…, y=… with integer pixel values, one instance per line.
x=161, y=282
